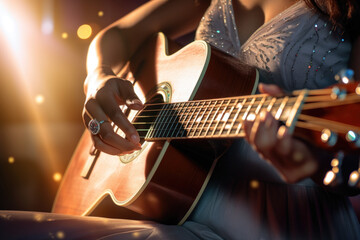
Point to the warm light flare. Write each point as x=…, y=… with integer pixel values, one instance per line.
x=254, y=184
x=39, y=99
x=57, y=177
x=84, y=31
x=11, y=159
x=329, y=178
x=100, y=13
x=64, y=35
x=60, y=235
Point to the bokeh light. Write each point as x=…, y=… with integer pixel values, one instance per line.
x=254, y=184
x=57, y=177
x=11, y=159
x=39, y=99
x=84, y=31
x=64, y=35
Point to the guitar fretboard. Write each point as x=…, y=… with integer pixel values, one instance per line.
x=216, y=118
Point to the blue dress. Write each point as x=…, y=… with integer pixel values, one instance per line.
x=245, y=197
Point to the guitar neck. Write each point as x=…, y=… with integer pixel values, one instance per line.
x=215, y=118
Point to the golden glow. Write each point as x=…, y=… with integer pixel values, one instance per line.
x=23, y=47
x=254, y=184
x=135, y=234
x=335, y=162
x=330, y=176
x=39, y=217
x=357, y=90
x=11, y=159
x=60, y=235
x=84, y=31
x=64, y=35
x=57, y=177
x=100, y=13
x=325, y=136
x=354, y=176
x=39, y=99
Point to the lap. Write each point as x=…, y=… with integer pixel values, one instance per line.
x=36, y=225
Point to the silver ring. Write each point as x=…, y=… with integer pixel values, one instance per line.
x=94, y=126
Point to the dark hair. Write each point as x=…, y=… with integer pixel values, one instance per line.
x=342, y=13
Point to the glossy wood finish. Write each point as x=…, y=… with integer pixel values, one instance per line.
x=164, y=182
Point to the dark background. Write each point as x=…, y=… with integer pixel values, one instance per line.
x=37, y=140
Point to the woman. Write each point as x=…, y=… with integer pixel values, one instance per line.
x=294, y=44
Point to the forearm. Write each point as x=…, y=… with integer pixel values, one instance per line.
x=114, y=46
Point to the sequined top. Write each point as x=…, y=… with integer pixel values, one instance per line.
x=296, y=49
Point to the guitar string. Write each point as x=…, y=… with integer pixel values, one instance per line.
x=351, y=99
x=237, y=122
x=187, y=111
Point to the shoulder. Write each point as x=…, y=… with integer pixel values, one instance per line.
x=298, y=49
x=315, y=52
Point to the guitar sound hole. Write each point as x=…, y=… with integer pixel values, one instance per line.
x=147, y=116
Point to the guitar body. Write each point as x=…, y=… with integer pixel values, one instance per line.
x=165, y=179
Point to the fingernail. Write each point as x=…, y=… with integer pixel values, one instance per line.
x=263, y=115
x=137, y=101
x=282, y=132
x=135, y=138
x=133, y=102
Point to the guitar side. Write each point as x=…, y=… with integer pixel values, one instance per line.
x=165, y=179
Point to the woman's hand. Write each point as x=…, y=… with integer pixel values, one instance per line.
x=104, y=94
x=290, y=156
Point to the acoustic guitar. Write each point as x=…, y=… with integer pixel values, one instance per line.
x=189, y=120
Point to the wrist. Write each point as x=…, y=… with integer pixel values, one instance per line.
x=98, y=75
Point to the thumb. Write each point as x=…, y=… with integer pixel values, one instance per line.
x=134, y=104
x=271, y=89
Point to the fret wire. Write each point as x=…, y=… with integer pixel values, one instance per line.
x=178, y=125
x=190, y=117
x=183, y=119
x=281, y=108
x=161, y=122
x=199, y=118
x=237, y=114
x=218, y=116
x=189, y=113
x=210, y=122
x=202, y=117
x=228, y=119
x=172, y=120
x=204, y=121
x=208, y=114
x=194, y=107
x=192, y=133
x=258, y=109
x=223, y=114
x=271, y=105
x=167, y=120
x=166, y=115
x=152, y=130
x=244, y=116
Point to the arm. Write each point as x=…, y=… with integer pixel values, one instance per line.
x=109, y=52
